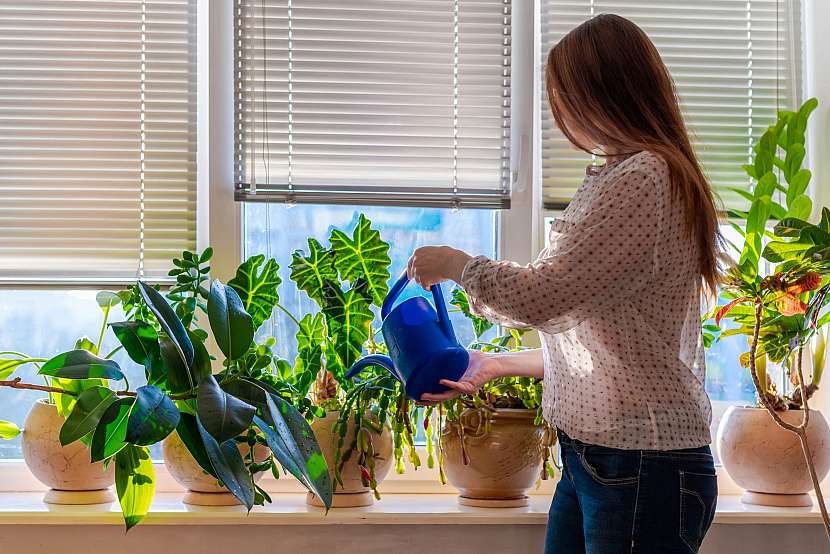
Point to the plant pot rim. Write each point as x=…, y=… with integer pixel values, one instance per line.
x=511, y=413
x=760, y=408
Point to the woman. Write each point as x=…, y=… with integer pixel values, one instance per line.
x=616, y=298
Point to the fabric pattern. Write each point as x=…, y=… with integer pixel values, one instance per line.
x=616, y=299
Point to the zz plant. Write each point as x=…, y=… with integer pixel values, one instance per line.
x=211, y=411
x=782, y=311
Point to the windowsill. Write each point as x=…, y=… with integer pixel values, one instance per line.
x=27, y=508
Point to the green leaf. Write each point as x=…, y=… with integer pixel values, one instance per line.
x=111, y=433
x=257, y=287
x=349, y=317
x=801, y=207
x=86, y=413
x=228, y=465
x=224, y=416
x=134, y=483
x=460, y=300
x=311, y=334
x=107, y=299
x=293, y=443
x=311, y=272
x=8, y=366
x=153, y=417
x=81, y=364
x=798, y=184
x=177, y=377
x=363, y=256
x=232, y=327
x=201, y=358
x=790, y=227
x=141, y=342
x=169, y=322
x=8, y=430
x=188, y=431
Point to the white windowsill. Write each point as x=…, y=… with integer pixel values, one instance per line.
x=27, y=508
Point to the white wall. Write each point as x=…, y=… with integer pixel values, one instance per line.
x=817, y=44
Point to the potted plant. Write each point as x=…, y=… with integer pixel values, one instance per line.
x=211, y=412
x=493, y=446
x=363, y=426
x=778, y=451
x=49, y=450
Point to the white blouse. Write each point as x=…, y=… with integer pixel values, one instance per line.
x=616, y=299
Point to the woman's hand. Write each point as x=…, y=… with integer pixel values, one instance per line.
x=430, y=265
x=481, y=369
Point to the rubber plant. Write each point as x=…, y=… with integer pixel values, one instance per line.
x=781, y=311
x=505, y=392
x=348, y=279
x=211, y=411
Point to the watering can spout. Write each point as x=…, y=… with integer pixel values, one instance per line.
x=375, y=359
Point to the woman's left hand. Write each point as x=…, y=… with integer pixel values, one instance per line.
x=430, y=265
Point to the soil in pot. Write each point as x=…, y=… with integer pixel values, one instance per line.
x=767, y=461
x=202, y=489
x=353, y=492
x=66, y=470
x=495, y=465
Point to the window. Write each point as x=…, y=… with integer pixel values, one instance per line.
x=278, y=230
x=97, y=139
x=735, y=64
x=384, y=102
x=97, y=167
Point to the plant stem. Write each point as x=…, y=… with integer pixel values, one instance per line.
x=113, y=351
x=799, y=430
x=17, y=383
x=103, y=329
x=288, y=313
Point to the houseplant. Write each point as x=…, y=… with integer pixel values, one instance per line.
x=63, y=466
x=367, y=423
x=780, y=313
x=493, y=446
x=210, y=412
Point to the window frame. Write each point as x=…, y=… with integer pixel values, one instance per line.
x=521, y=230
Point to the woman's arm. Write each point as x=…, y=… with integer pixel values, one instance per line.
x=601, y=257
x=485, y=367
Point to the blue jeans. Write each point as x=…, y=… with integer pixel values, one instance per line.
x=611, y=501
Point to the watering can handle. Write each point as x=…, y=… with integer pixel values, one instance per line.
x=437, y=297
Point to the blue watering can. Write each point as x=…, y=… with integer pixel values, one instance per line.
x=421, y=342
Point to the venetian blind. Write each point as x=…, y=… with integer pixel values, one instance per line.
x=373, y=102
x=735, y=63
x=97, y=138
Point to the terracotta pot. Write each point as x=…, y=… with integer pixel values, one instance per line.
x=66, y=470
x=202, y=488
x=768, y=461
x=353, y=492
x=502, y=464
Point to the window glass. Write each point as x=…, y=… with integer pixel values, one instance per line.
x=42, y=323
x=277, y=230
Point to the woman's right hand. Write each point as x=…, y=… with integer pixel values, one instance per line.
x=481, y=369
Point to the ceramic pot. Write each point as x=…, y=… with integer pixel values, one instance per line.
x=353, y=492
x=497, y=466
x=201, y=488
x=767, y=461
x=66, y=470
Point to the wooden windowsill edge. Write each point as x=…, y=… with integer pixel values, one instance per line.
x=27, y=508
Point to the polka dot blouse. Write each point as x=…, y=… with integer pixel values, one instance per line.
x=616, y=299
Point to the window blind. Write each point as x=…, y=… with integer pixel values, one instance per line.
x=373, y=102
x=735, y=63
x=97, y=138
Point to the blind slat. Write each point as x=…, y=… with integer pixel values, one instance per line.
x=735, y=64
x=97, y=138
x=375, y=101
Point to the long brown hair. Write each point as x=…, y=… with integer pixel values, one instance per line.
x=608, y=77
